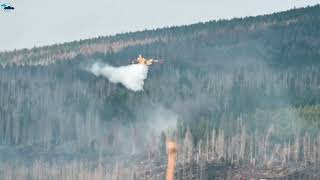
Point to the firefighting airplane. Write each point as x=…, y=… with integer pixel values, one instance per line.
x=148, y=62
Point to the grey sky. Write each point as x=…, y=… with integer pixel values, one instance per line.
x=43, y=22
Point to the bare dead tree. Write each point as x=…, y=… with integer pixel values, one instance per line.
x=188, y=145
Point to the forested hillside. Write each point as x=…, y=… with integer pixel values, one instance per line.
x=240, y=90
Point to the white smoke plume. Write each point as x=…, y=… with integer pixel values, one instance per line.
x=131, y=76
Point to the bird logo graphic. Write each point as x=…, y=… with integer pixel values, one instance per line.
x=6, y=6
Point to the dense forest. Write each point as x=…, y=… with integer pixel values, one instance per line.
x=245, y=92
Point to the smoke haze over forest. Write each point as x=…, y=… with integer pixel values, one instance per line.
x=241, y=93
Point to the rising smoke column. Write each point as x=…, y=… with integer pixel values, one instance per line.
x=131, y=76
